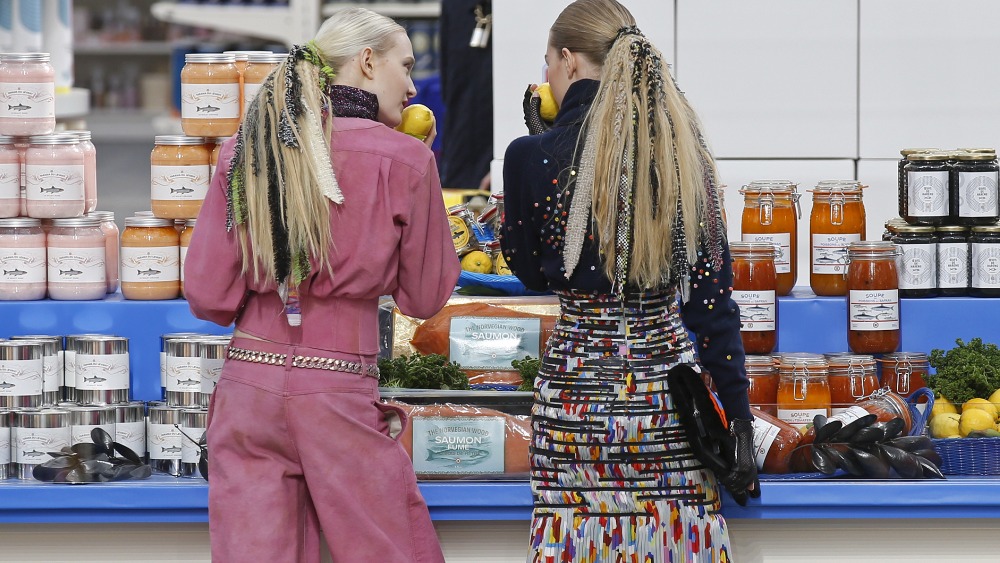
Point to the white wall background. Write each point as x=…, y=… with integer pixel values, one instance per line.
x=803, y=90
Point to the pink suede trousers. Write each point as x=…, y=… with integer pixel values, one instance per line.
x=294, y=451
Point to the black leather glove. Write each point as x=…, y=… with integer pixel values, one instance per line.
x=741, y=480
x=532, y=113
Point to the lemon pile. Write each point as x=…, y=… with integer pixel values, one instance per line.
x=978, y=417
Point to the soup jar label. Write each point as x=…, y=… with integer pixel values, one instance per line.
x=953, y=264
x=829, y=254
x=977, y=194
x=183, y=183
x=210, y=101
x=20, y=377
x=150, y=264
x=757, y=309
x=164, y=441
x=10, y=181
x=915, y=264
x=873, y=309
x=102, y=371
x=22, y=265
x=985, y=265
x=75, y=265
x=799, y=418
x=928, y=193
x=44, y=182
x=764, y=434
x=32, y=444
x=27, y=100
x=783, y=242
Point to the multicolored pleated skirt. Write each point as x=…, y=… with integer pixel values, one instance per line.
x=612, y=474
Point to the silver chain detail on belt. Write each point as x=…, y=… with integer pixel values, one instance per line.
x=307, y=362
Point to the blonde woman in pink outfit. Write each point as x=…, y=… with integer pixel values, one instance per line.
x=317, y=209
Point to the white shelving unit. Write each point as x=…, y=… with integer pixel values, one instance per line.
x=138, y=48
x=295, y=23
x=73, y=104
x=401, y=10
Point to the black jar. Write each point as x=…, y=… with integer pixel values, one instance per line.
x=973, y=189
x=952, y=260
x=902, y=177
x=926, y=198
x=916, y=261
x=984, y=261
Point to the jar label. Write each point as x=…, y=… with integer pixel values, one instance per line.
x=98, y=372
x=179, y=183
x=849, y=414
x=757, y=309
x=985, y=265
x=190, y=452
x=184, y=253
x=145, y=264
x=764, y=434
x=799, y=418
x=31, y=100
x=80, y=433
x=928, y=193
x=211, y=369
x=76, y=265
x=51, y=373
x=250, y=90
x=783, y=244
x=977, y=194
x=184, y=374
x=953, y=264
x=10, y=181
x=829, y=252
x=32, y=444
x=874, y=309
x=164, y=441
x=132, y=435
x=5, y=448
x=915, y=264
x=210, y=101
x=45, y=182
x=19, y=378
x=163, y=369
x=22, y=265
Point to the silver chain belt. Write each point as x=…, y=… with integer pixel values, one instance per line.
x=308, y=362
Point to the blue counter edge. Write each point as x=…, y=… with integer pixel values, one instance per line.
x=166, y=499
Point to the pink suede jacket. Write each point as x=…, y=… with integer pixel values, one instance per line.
x=390, y=237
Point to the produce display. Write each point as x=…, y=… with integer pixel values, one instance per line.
x=967, y=389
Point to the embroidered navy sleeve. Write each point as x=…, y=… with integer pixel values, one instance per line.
x=519, y=238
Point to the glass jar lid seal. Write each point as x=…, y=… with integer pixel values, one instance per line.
x=190, y=222
x=770, y=186
x=102, y=215
x=20, y=222
x=758, y=361
x=77, y=222
x=871, y=249
x=849, y=360
x=209, y=58
x=82, y=134
x=178, y=140
x=148, y=222
x=753, y=249
x=270, y=58
x=24, y=57
x=55, y=139
x=928, y=156
x=904, y=357
x=801, y=359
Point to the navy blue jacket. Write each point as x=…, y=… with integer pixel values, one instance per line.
x=534, y=175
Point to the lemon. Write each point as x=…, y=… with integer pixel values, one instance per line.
x=418, y=120
x=477, y=261
x=941, y=404
x=549, y=108
x=975, y=419
x=981, y=404
x=945, y=425
x=995, y=399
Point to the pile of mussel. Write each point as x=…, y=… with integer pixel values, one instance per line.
x=101, y=461
x=866, y=448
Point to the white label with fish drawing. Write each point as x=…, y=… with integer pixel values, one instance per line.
x=873, y=309
x=179, y=183
x=96, y=372
x=492, y=342
x=144, y=264
x=184, y=374
x=27, y=99
x=75, y=265
x=5, y=448
x=47, y=182
x=757, y=309
x=132, y=435
x=31, y=445
x=783, y=244
x=22, y=265
x=450, y=445
x=210, y=101
x=164, y=441
x=10, y=181
x=829, y=252
x=20, y=377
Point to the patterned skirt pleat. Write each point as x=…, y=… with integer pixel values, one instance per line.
x=612, y=475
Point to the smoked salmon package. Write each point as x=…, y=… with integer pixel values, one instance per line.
x=463, y=434
x=482, y=335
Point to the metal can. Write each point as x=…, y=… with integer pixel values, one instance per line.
x=463, y=229
x=164, y=439
x=52, y=365
x=130, y=426
x=183, y=372
x=213, y=356
x=163, y=354
x=193, y=425
x=102, y=369
x=35, y=433
x=84, y=418
x=69, y=365
x=20, y=373
x=6, y=421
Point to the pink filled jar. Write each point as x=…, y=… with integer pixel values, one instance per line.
x=89, y=168
x=27, y=94
x=111, y=236
x=22, y=259
x=54, y=175
x=10, y=178
x=76, y=259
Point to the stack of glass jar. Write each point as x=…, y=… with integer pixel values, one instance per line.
x=948, y=233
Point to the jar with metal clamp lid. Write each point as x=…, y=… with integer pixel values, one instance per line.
x=952, y=260
x=754, y=287
x=763, y=390
x=803, y=388
x=852, y=377
x=927, y=195
x=872, y=298
x=837, y=220
x=905, y=372
x=917, y=260
x=984, y=261
x=973, y=188
x=770, y=214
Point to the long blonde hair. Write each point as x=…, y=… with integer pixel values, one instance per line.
x=635, y=82
x=280, y=184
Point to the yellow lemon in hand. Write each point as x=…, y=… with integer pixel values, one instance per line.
x=549, y=108
x=477, y=261
x=418, y=120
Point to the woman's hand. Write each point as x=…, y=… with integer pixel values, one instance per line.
x=532, y=111
x=429, y=139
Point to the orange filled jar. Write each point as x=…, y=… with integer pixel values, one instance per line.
x=837, y=220
x=210, y=95
x=852, y=377
x=754, y=286
x=803, y=388
x=150, y=255
x=770, y=214
x=872, y=298
x=178, y=176
x=259, y=66
x=763, y=390
x=905, y=372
